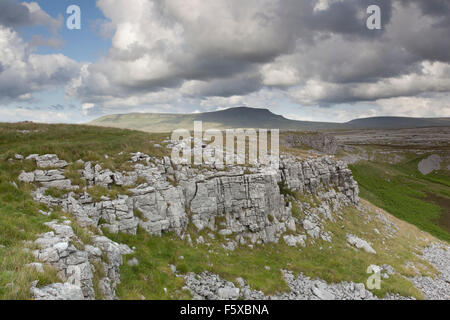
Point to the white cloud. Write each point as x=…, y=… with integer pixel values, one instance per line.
x=195, y=55
x=44, y=116
x=433, y=77
x=40, y=17
x=23, y=72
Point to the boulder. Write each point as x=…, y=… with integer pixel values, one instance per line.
x=58, y=291
x=360, y=243
x=50, y=161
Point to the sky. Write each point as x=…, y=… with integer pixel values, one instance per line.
x=307, y=60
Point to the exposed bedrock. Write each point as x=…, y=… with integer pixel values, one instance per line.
x=247, y=204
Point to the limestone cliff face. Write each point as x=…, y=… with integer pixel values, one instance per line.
x=316, y=175
x=246, y=204
x=251, y=206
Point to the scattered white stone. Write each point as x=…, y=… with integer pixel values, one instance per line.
x=200, y=240
x=32, y=157
x=44, y=213
x=360, y=243
x=322, y=294
x=293, y=241
x=50, y=161
x=133, y=262
x=27, y=177
x=58, y=291
x=228, y=293
x=173, y=268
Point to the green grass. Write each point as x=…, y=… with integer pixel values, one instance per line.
x=73, y=142
x=403, y=191
x=334, y=262
x=20, y=219
x=55, y=193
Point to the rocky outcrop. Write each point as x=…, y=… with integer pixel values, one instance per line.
x=251, y=206
x=245, y=205
x=162, y=208
x=57, y=291
x=315, y=175
x=48, y=179
x=49, y=161
x=60, y=249
x=232, y=201
x=438, y=287
x=208, y=286
x=118, y=215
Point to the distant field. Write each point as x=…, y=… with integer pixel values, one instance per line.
x=244, y=117
x=404, y=192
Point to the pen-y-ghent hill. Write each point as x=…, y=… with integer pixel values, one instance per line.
x=244, y=117
x=103, y=213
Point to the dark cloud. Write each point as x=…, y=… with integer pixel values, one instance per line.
x=13, y=13
x=431, y=7
x=16, y=14
x=321, y=52
x=346, y=18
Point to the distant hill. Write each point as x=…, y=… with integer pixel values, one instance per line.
x=397, y=122
x=244, y=117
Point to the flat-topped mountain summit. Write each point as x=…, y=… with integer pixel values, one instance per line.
x=244, y=117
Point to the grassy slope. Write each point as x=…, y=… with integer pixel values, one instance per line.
x=403, y=191
x=333, y=262
x=20, y=220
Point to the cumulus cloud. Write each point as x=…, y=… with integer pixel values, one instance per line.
x=186, y=55
x=314, y=52
x=15, y=14
x=23, y=72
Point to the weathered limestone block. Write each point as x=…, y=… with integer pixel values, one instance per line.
x=314, y=174
x=163, y=210
x=119, y=215
x=84, y=210
x=360, y=243
x=50, y=161
x=73, y=265
x=58, y=291
x=57, y=249
x=251, y=205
